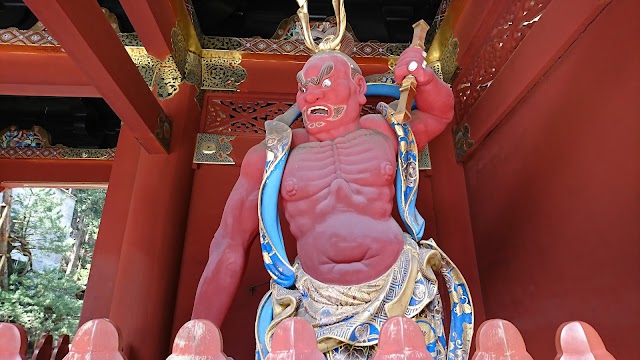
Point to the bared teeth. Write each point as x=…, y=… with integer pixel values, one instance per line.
x=318, y=110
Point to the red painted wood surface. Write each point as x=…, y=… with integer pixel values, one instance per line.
x=294, y=339
x=97, y=339
x=401, y=338
x=577, y=340
x=61, y=349
x=86, y=35
x=198, y=340
x=153, y=21
x=136, y=263
x=41, y=71
x=18, y=172
x=13, y=342
x=453, y=231
x=560, y=24
x=499, y=339
x=106, y=256
x=44, y=348
x=553, y=195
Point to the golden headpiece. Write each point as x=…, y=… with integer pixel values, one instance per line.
x=331, y=42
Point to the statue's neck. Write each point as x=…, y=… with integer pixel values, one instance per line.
x=335, y=133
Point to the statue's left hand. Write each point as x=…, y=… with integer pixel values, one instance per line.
x=412, y=61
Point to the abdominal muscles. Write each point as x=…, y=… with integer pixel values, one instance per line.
x=338, y=199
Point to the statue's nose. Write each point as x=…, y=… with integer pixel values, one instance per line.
x=314, y=95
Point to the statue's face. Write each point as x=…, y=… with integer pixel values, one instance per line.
x=328, y=96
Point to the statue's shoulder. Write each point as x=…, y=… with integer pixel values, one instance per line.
x=298, y=137
x=377, y=122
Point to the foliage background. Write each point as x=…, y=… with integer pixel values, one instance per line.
x=49, y=301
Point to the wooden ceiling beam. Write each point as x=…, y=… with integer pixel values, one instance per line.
x=87, y=37
x=18, y=172
x=153, y=21
x=41, y=71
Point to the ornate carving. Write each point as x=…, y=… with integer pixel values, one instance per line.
x=437, y=21
x=187, y=63
x=395, y=49
x=242, y=117
x=436, y=66
x=14, y=36
x=213, y=149
x=509, y=31
x=446, y=67
x=291, y=29
x=245, y=117
x=146, y=64
x=179, y=50
x=38, y=34
x=294, y=47
x=35, y=144
x=95, y=154
x=449, y=60
x=164, y=130
x=442, y=10
x=167, y=79
x=194, y=70
x=386, y=78
x=130, y=39
x=424, y=159
x=462, y=140
x=163, y=75
x=221, y=43
x=194, y=20
x=222, y=70
x=36, y=138
x=57, y=152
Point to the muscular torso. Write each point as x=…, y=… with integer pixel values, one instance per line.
x=338, y=196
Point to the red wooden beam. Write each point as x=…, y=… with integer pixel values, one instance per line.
x=86, y=35
x=41, y=71
x=153, y=21
x=20, y=172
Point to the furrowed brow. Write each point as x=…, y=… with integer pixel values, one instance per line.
x=327, y=69
x=300, y=78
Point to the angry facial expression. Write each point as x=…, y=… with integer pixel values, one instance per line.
x=330, y=93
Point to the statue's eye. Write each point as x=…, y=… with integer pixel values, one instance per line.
x=302, y=89
x=326, y=83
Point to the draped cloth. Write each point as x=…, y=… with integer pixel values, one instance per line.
x=347, y=319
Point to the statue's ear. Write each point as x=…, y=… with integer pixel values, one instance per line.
x=361, y=85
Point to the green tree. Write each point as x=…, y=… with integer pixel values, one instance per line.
x=42, y=302
x=50, y=301
x=36, y=216
x=87, y=214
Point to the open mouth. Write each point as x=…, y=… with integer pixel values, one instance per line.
x=318, y=110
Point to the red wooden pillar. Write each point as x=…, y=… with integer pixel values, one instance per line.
x=142, y=230
x=137, y=257
x=451, y=208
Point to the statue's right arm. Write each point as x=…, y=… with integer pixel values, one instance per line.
x=231, y=242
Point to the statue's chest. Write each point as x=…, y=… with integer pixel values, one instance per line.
x=365, y=159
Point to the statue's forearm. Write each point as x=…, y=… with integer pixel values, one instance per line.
x=220, y=280
x=230, y=245
x=435, y=99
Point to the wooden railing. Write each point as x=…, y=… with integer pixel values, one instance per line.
x=294, y=339
x=13, y=345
